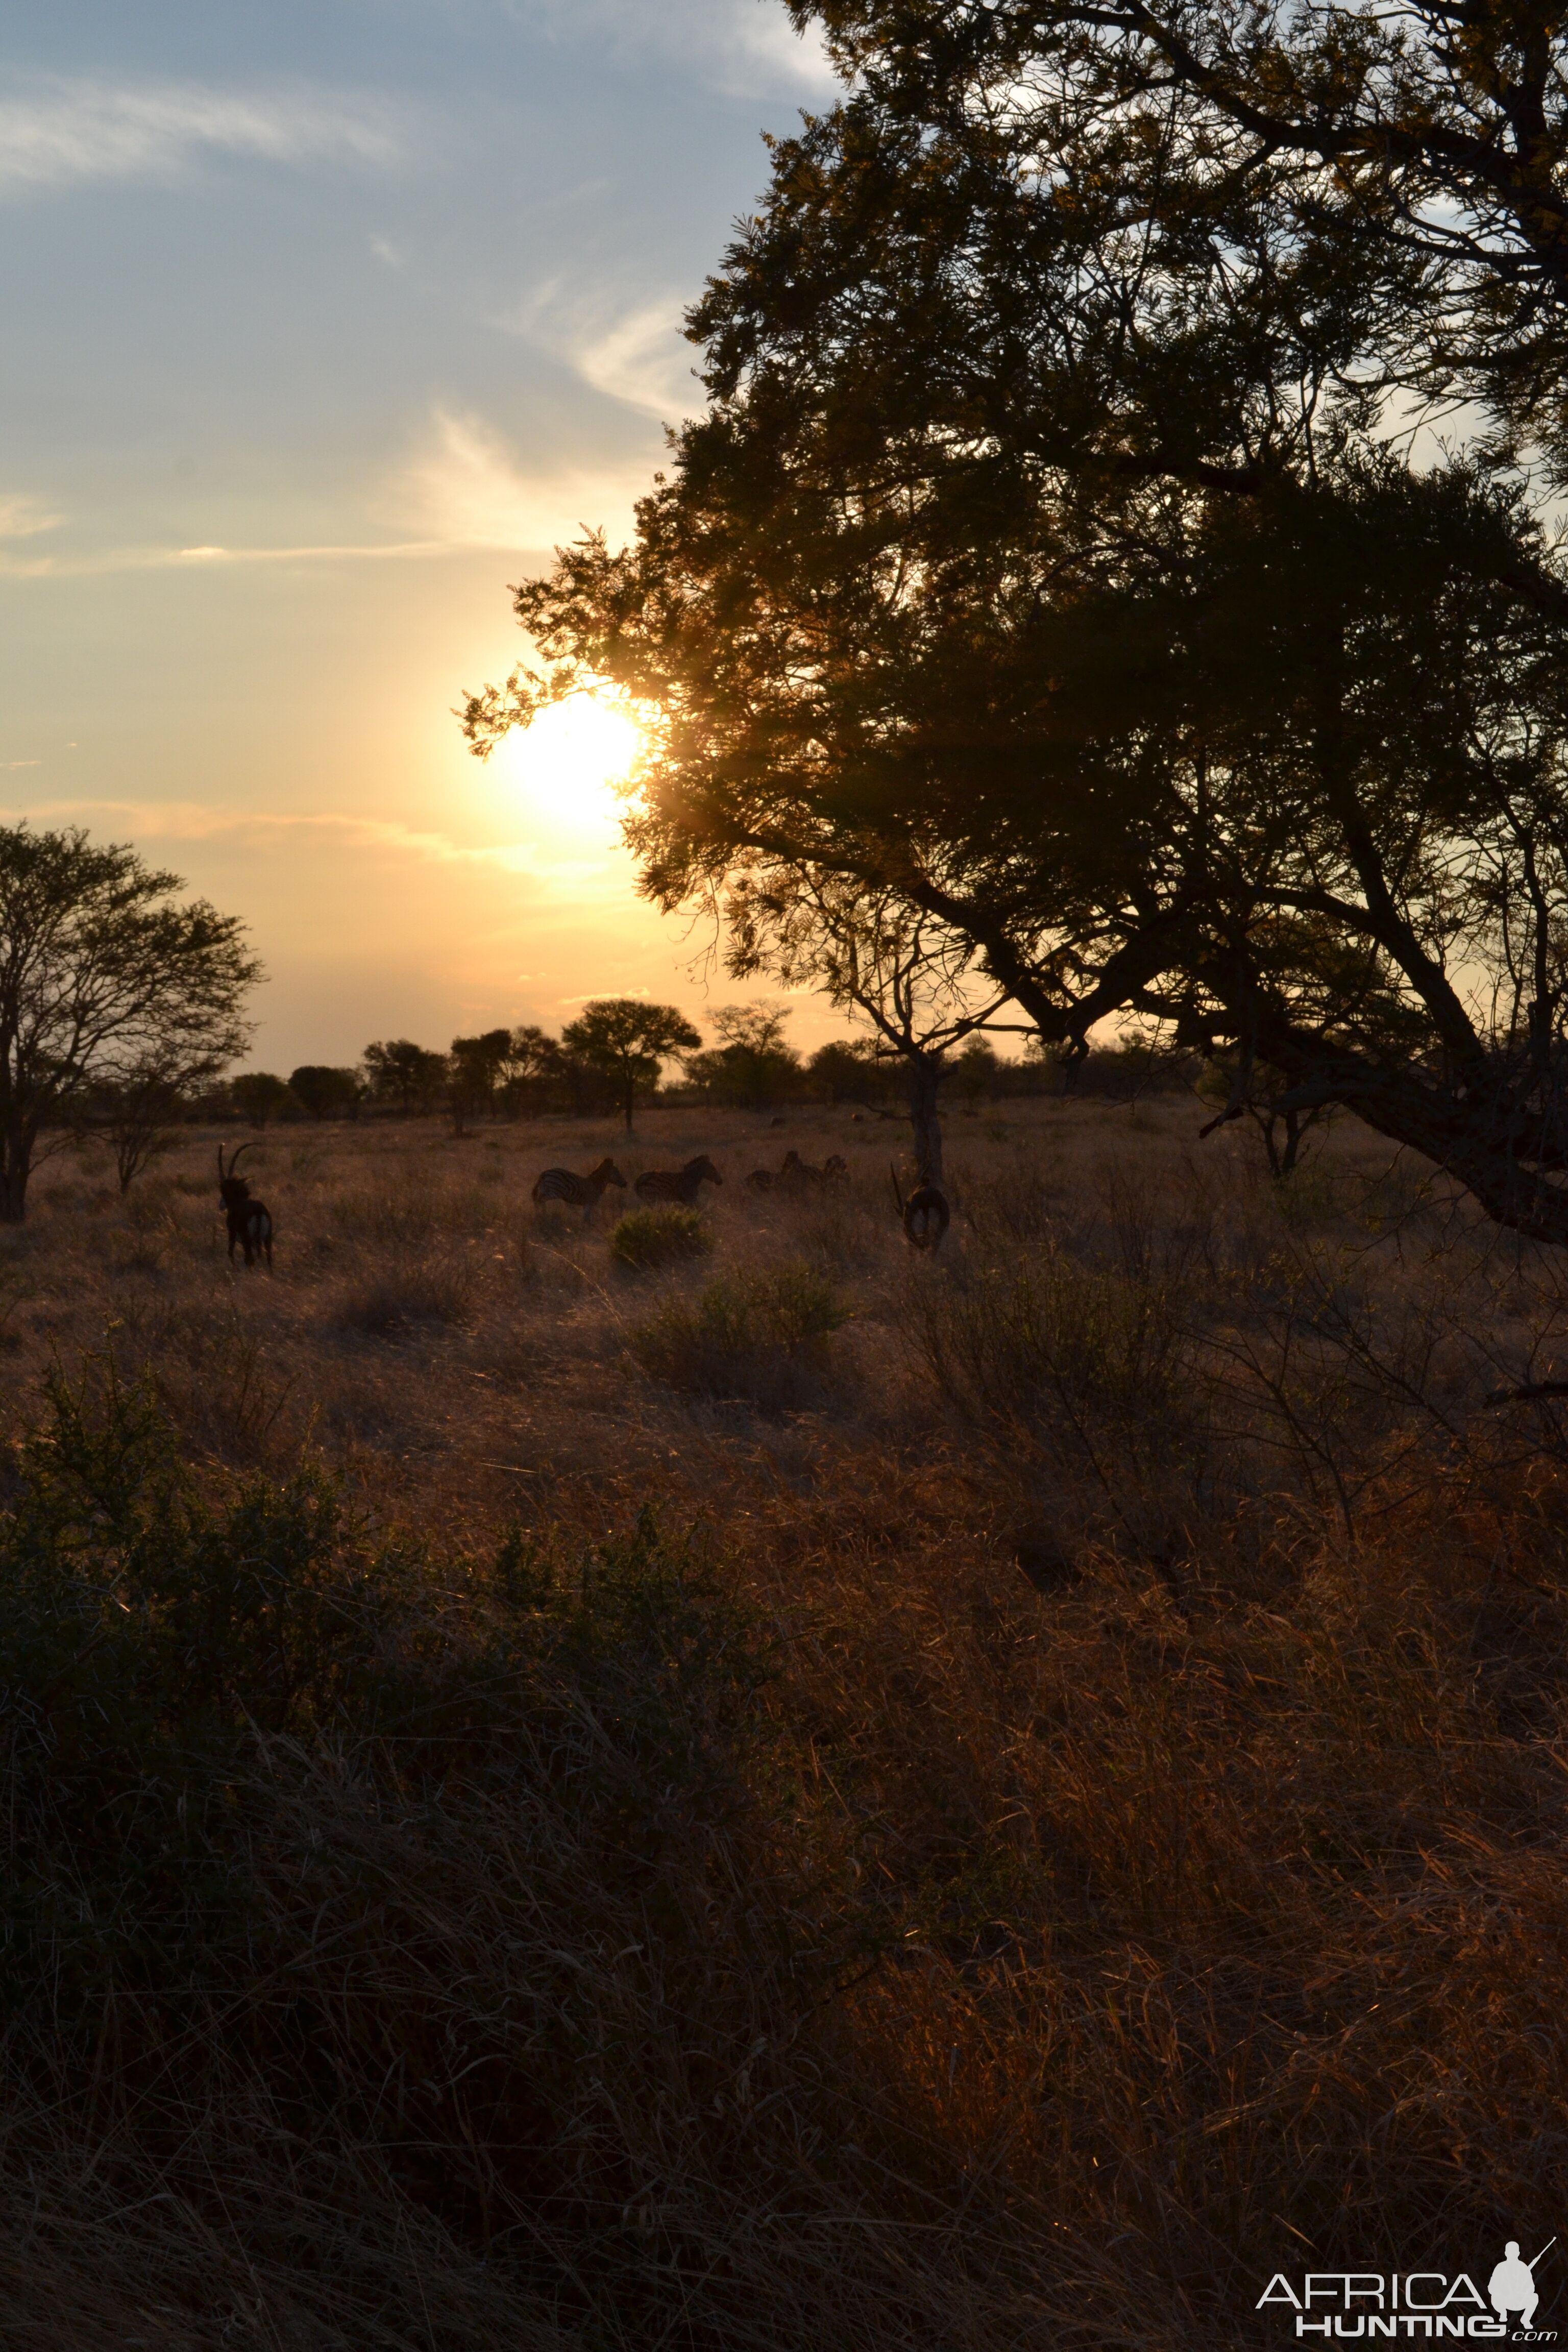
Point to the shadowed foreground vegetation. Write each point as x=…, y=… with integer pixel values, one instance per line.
x=782, y=1795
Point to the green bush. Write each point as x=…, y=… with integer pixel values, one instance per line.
x=651, y=1238
x=762, y=1338
x=175, y=1668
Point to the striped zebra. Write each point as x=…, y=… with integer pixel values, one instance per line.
x=584, y=1193
x=798, y=1175
x=679, y=1184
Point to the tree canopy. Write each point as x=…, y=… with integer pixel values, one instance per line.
x=105, y=976
x=1052, y=562
x=628, y=1039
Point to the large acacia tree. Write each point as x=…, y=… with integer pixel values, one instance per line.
x=104, y=974
x=1050, y=558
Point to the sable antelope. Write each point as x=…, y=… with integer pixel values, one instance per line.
x=249, y=1220
x=925, y=1213
x=678, y=1184
x=582, y=1192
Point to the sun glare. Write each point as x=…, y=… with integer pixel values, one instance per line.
x=571, y=760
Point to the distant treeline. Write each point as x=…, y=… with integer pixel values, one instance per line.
x=511, y=1074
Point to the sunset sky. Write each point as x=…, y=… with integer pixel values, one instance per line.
x=325, y=322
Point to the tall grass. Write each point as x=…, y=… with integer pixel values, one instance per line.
x=1057, y=1818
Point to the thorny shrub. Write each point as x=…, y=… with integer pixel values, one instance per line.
x=646, y=1238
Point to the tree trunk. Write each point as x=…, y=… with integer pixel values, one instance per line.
x=16, y=1167
x=926, y=1073
x=631, y=1100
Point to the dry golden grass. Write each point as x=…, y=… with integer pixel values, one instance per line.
x=1139, y=1871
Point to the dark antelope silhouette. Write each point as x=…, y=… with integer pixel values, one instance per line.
x=584, y=1193
x=249, y=1220
x=925, y=1215
x=678, y=1184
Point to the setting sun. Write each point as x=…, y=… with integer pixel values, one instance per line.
x=572, y=759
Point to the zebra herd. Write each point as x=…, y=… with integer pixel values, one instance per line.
x=924, y=1215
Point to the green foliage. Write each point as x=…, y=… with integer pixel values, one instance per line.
x=106, y=979
x=174, y=1664
x=664, y=1236
x=759, y=1337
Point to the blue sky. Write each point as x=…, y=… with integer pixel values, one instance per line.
x=323, y=324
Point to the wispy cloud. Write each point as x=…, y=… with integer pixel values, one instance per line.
x=468, y=489
x=741, y=48
x=59, y=131
x=632, y=350
x=23, y=516
x=197, y=820
x=184, y=559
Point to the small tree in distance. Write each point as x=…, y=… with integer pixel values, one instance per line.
x=752, y=1065
x=138, y=1113
x=399, y=1071
x=326, y=1093
x=261, y=1095
x=628, y=1039
x=103, y=976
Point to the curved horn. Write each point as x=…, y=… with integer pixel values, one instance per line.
x=896, y=1194
x=222, y=1170
x=238, y=1156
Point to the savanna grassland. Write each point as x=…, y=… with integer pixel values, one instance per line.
x=784, y=1794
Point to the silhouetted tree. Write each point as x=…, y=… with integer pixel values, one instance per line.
x=325, y=1092
x=846, y=1067
x=261, y=1095
x=628, y=1039
x=474, y=1068
x=752, y=1065
x=137, y=1114
x=103, y=972
x=400, y=1072
x=1046, y=569
x=535, y=1064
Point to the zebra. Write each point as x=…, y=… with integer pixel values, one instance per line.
x=925, y=1215
x=798, y=1175
x=582, y=1192
x=249, y=1220
x=835, y=1169
x=680, y=1184
x=761, y=1180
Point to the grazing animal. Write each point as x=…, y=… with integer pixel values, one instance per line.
x=776, y=1122
x=249, y=1220
x=678, y=1184
x=760, y=1179
x=835, y=1169
x=798, y=1175
x=582, y=1192
x=925, y=1215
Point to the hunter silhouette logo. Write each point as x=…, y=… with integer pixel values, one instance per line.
x=1419, y=2305
x=1511, y=2286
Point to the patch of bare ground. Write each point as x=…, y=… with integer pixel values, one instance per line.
x=1056, y=1816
